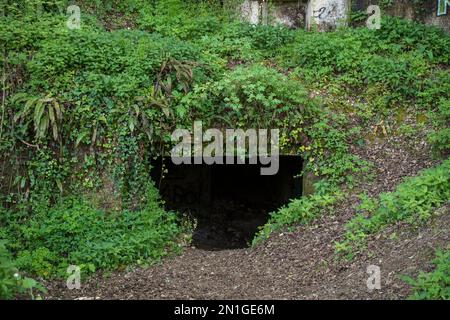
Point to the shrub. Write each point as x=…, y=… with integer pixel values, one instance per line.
x=244, y=42
x=75, y=233
x=321, y=56
x=440, y=136
x=398, y=57
x=434, y=285
x=413, y=201
x=12, y=284
x=252, y=96
x=300, y=211
x=403, y=75
x=407, y=35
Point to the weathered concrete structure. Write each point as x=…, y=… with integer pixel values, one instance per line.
x=321, y=14
x=328, y=14
x=290, y=13
x=431, y=12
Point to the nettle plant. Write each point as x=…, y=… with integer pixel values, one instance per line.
x=12, y=283
x=414, y=201
x=434, y=285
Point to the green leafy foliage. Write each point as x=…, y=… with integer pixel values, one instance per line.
x=75, y=233
x=440, y=136
x=399, y=57
x=12, y=284
x=300, y=211
x=251, y=96
x=413, y=201
x=86, y=110
x=434, y=285
x=43, y=113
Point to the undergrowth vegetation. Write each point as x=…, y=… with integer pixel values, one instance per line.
x=301, y=211
x=74, y=232
x=434, y=285
x=12, y=283
x=85, y=112
x=413, y=202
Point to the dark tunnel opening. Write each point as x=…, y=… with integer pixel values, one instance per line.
x=228, y=201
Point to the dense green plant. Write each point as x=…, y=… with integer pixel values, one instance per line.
x=239, y=42
x=397, y=57
x=434, y=89
x=440, y=136
x=301, y=211
x=43, y=113
x=182, y=19
x=327, y=148
x=410, y=36
x=404, y=74
x=413, y=201
x=318, y=57
x=91, y=89
x=434, y=285
x=12, y=283
x=75, y=233
x=87, y=110
x=254, y=96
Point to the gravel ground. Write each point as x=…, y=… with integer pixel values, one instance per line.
x=300, y=264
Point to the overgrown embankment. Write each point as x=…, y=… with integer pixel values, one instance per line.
x=85, y=111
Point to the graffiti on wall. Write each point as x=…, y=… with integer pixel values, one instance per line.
x=442, y=7
x=326, y=14
x=319, y=13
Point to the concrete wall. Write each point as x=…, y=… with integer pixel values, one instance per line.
x=290, y=13
x=327, y=14
x=252, y=11
x=427, y=12
x=323, y=14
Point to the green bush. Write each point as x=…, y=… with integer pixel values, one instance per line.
x=323, y=56
x=440, y=136
x=300, y=211
x=185, y=20
x=434, y=285
x=119, y=64
x=12, y=284
x=400, y=57
x=413, y=201
x=244, y=42
x=75, y=233
x=435, y=88
x=252, y=96
x=403, y=75
x=405, y=35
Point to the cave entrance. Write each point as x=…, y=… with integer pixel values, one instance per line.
x=229, y=202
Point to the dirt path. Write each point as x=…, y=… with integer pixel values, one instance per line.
x=294, y=265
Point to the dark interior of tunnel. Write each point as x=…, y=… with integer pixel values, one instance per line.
x=229, y=201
